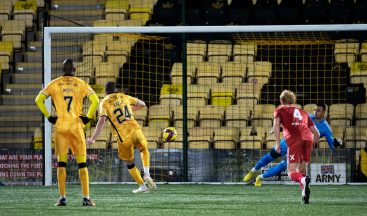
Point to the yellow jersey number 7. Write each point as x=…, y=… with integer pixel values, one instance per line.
x=68, y=99
x=122, y=116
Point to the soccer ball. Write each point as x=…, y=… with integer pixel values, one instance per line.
x=169, y=134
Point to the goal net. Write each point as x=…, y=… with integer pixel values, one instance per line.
x=218, y=87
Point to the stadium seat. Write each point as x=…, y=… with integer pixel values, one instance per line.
x=259, y=72
x=263, y=115
x=222, y=94
x=225, y=138
x=208, y=73
x=244, y=52
x=6, y=54
x=233, y=73
x=315, y=11
x=197, y=95
x=355, y=137
x=153, y=136
x=6, y=7
x=248, y=94
x=358, y=73
x=237, y=116
x=211, y=116
x=363, y=52
x=176, y=73
x=251, y=138
x=116, y=9
x=26, y=10
x=141, y=116
x=346, y=51
x=105, y=72
x=103, y=139
x=340, y=114
x=84, y=71
x=38, y=139
x=219, y=51
x=361, y=115
x=142, y=14
x=14, y=31
x=196, y=51
x=309, y=108
x=106, y=22
x=159, y=116
x=270, y=139
x=94, y=51
x=118, y=52
x=200, y=138
x=192, y=115
x=171, y=94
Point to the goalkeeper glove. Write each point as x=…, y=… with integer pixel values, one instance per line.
x=84, y=119
x=52, y=119
x=338, y=142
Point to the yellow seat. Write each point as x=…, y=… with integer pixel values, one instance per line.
x=355, y=137
x=106, y=22
x=346, y=51
x=153, y=136
x=142, y=4
x=159, y=116
x=197, y=95
x=233, y=73
x=103, y=139
x=248, y=93
x=6, y=7
x=105, y=72
x=251, y=138
x=244, y=52
x=211, y=116
x=136, y=22
x=259, y=72
x=358, y=73
x=340, y=114
x=361, y=115
x=237, y=116
x=14, y=31
x=6, y=54
x=94, y=51
x=116, y=9
x=141, y=115
x=208, y=73
x=263, y=115
x=176, y=73
x=200, y=138
x=219, y=52
x=118, y=52
x=225, y=138
x=192, y=115
x=38, y=139
x=222, y=94
x=142, y=14
x=171, y=94
x=363, y=52
x=25, y=10
x=196, y=51
x=84, y=71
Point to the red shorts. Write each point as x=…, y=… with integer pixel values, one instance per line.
x=299, y=150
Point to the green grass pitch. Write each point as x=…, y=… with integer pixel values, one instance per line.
x=179, y=200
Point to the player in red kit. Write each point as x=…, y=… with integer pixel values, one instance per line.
x=300, y=133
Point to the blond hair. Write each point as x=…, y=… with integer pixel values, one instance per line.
x=287, y=97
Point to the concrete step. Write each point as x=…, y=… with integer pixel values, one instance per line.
x=16, y=143
x=18, y=99
x=77, y=15
x=78, y=5
x=16, y=110
x=28, y=78
x=29, y=67
x=20, y=121
x=23, y=89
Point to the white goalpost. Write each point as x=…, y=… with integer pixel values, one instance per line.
x=48, y=31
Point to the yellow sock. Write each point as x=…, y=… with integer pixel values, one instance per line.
x=61, y=179
x=145, y=157
x=84, y=181
x=134, y=172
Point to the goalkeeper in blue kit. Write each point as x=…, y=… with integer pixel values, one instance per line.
x=325, y=131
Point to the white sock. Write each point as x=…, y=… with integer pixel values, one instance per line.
x=253, y=170
x=62, y=197
x=87, y=197
x=146, y=171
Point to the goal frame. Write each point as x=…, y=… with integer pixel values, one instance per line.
x=47, y=31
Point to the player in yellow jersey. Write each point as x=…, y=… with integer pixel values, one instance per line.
x=118, y=109
x=67, y=93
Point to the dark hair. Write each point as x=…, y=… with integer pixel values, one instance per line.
x=110, y=87
x=68, y=61
x=321, y=105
